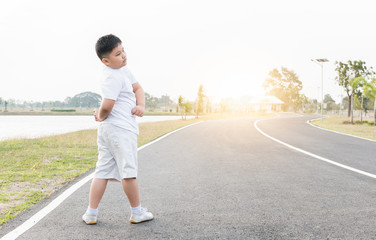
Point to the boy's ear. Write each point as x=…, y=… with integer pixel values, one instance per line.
x=105, y=61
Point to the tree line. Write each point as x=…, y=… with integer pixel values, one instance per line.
x=357, y=79
x=201, y=105
x=81, y=100
x=359, y=83
x=85, y=100
x=163, y=103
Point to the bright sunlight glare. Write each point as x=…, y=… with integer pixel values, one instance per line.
x=241, y=85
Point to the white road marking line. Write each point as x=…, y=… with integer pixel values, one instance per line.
x=166, y=135
x=314, y=155
x=57, y=201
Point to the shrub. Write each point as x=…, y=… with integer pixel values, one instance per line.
x=63, y=110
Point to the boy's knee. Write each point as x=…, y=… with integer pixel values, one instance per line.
x=129, y=178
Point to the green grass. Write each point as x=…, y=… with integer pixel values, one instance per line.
x=32, y=169
x=340, y=124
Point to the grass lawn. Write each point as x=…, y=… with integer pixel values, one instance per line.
x=336, y=123
x=32, y=169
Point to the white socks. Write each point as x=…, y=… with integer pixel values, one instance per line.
x=92, y=211
x=136, y=210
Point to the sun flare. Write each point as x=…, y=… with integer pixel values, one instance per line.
x=240, y=85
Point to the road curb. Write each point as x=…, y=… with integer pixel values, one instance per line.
x=346, y=134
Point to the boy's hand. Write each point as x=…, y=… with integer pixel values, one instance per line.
x=138, y=111
x=95, y=112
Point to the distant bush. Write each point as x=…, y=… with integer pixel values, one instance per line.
x=63, y=110
x=359, y=122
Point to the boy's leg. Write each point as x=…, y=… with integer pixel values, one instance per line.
x=138, y=214
x=130, y=187
x=98, y=186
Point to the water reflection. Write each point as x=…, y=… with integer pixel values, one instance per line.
x=38, y=126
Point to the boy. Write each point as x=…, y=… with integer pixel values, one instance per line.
x=123, y=100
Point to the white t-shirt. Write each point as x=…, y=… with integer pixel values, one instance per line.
x=116, y=85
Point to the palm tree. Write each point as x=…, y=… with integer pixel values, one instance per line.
x=370, y=91
x=181, y=104
x=357, y=87
x=200, y=101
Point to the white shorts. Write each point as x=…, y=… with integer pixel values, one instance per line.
x=117, y=153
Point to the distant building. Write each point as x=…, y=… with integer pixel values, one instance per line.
x=249, y=104
x=267, y=104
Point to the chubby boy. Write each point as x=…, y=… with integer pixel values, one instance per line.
x=123, y=100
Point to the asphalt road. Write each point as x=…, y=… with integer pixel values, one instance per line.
x=224, y=180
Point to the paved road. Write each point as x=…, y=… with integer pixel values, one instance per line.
x=224, y=180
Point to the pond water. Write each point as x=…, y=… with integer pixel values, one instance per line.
x=39, y=126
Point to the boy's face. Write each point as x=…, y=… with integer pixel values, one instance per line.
x=117, y=58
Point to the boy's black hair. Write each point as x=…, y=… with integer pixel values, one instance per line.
x=105, y=45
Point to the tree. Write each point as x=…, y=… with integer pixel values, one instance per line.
x=286, y=86
x=12, y=103
x=310, y=106
x=200, y=100
x=349, y=71
x=370, y=91
x=330, y=103
x=165, y=101
x=181, y=106
x=84, y=99
x=150, y=101
x=356, y=85
x=187, y=108
x=367, y=103
x=208, y=108
x=328, y=98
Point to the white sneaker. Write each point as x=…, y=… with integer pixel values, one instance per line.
x=142, y=217
x=89, y=218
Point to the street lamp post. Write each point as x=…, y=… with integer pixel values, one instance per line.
x=320, y=62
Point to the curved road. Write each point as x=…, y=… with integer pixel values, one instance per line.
x=224, y=180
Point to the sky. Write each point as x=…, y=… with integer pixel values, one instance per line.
x=174, y=46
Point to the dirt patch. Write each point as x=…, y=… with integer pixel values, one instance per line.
x=16, y=191
x=4, y=207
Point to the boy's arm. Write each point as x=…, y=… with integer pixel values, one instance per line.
x=140, y=100
x=104, y=110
